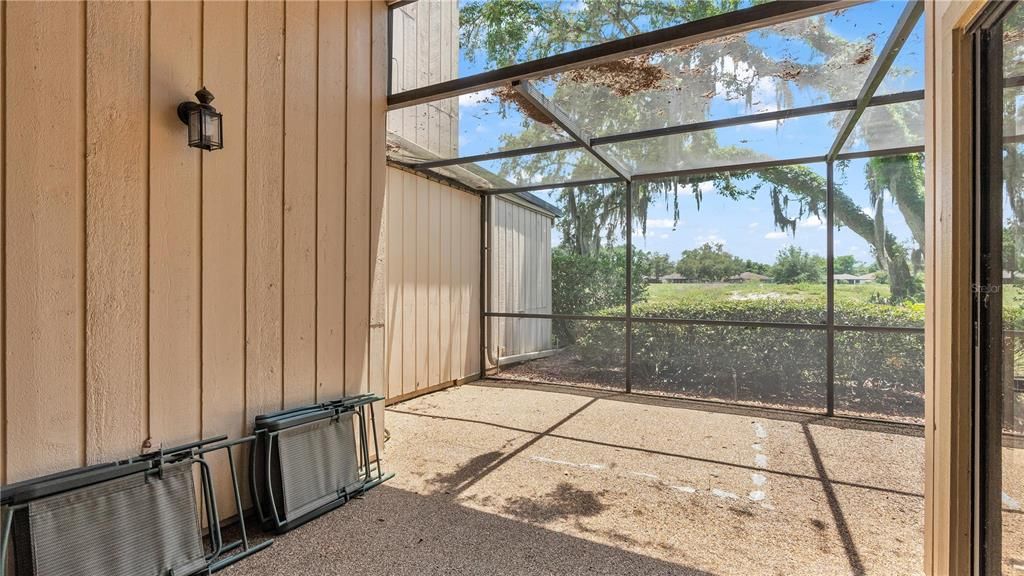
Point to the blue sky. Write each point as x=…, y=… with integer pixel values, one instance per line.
x=745, y=227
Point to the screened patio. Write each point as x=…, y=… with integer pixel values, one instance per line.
x=805, y=116
x=696, y=287
x=752, y=393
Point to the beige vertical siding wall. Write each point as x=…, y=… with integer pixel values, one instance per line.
x=520, y=268
x=433, y=271
x=426, y=51
x=151, y=291
x=433, y=284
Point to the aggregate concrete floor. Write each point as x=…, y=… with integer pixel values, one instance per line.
x=500, y=478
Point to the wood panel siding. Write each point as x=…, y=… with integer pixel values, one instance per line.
x=332, y=126
x=264, y=304
x=425, y=340
x=44, y=223
x=300, y=148
x=425, y=51
x=357, y=206
x=155, y=294
x=432, y=285
x=377, y=367
x=117, y=204
x=174, y=236
x=520, y=265
x=223, y=248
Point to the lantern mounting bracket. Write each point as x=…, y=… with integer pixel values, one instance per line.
x=204, y=96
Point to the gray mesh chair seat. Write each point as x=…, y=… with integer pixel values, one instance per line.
x=136, y=517
x=318, y=462
x=140, y=524
x=311, y=459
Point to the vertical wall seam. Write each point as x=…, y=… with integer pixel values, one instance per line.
x=83, y=346
x=202, y=201
x=245, y=235
x=344, y=218
x=316, y=217
x=3, y=245
x=368, y=281
x=149, y=216
x=284, y=188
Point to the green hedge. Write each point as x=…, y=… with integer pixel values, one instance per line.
x=583, y=283
x=876, y=373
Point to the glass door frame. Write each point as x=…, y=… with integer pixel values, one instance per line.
x=986, y=288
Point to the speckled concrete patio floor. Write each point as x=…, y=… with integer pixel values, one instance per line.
x=500, y=478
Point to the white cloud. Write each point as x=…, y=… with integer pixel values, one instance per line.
x=684, y=190
x=811, y=222
x=687, y=189
x=668, y=223
x=769, y=125
x=753, y=225
x=775, y=235
x=712, y=238
x=474, y=99
x=526, y=177
x=764, y=94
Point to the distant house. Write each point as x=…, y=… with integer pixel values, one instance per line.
x=854, y=279
x=673, y=278
x=748, y=277
x=1012, y=275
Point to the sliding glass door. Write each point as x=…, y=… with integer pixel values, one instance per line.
x=999, y=290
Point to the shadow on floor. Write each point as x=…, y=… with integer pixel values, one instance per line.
x=474, y=470
x=841, y=422
x=396, y=532
x=842, y=527
x=565, y=501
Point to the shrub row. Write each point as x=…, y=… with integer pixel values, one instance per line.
x=876, y=372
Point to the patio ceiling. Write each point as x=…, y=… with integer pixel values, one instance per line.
x=564, y=111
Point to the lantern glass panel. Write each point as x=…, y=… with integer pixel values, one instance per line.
x=195, y=125
x=212, y=130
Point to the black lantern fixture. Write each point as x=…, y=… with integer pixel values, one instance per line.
x=205, y=129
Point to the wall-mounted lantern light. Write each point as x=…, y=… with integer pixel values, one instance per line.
x=205, y=129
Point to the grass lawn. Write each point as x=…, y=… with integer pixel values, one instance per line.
x=669, y=294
